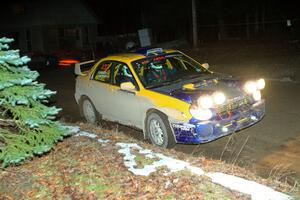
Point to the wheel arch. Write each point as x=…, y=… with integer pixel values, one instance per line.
x=80, y=101
x=169, y=134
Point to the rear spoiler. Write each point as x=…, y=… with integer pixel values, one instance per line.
x=78, y=66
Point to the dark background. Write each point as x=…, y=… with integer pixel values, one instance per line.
x=172, y=20
x=217, y=19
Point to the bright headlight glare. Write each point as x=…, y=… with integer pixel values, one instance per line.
x=260, y=84
x=201, y=114
x=219, y=98
x=256, y=95
x=205, y=102
x=250, y=87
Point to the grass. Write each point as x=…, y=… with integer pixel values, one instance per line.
x=141, y=160
x=81, y=168
x=213, y=191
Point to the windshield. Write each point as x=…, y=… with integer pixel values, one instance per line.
x=165, y=69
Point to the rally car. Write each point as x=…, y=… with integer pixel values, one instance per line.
x=168, y=95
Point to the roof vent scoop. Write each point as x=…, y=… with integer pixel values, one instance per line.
x=189, y=86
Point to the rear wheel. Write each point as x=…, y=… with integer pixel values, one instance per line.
x=159, y=130
x=88, y=111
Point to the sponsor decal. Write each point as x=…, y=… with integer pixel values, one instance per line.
x=184, y=127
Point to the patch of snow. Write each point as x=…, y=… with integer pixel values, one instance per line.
x=86, y=134
x=172, y=164
x=256, y=190
x=72, y=129
x=148, y=153
x=196, y=170
x=103, y=142
x=145, y=151
x=168, y=184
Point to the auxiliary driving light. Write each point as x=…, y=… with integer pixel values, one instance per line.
x=205, y=101
x=250, y=87
x=224, y=129
x=261, y=84
x=201, y=114
x=256, y=95
x=219, y=98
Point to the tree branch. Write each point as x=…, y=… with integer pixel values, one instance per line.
x=7, y=122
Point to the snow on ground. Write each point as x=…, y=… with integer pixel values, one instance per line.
x=86, y=134
x=173, y=164
x=103, y=142
x=255, y=190
x=72, y=129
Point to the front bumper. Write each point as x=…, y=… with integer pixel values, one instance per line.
x=202, y=132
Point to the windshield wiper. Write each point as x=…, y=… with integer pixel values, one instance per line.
x=192, y=76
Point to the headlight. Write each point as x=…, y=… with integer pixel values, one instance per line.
x=201, y=114
x=219, y=98
x=257, y=95
x=205, y=102
x=250, y=87
x=261, y=84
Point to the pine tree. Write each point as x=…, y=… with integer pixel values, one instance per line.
x=27, y=125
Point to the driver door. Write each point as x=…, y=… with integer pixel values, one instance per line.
x=124, y=105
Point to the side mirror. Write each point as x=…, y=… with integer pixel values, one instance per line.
x=127, y=86
x=205, y=65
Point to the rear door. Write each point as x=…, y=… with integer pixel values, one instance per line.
x=99, y=88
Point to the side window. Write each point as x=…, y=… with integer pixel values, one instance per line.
x=103, y=72
x=122, y=74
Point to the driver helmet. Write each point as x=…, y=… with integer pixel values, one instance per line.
x=157, y=67
x=130, y=45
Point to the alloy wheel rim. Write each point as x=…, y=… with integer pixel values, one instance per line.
x=88, y=111
x=156, y=132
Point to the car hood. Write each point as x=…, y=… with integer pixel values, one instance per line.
x=190, y=90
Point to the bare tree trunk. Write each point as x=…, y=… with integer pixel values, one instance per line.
x=247, y=26
x=256, y=20
x=194, y=24
x=263, y=18
x=221, y=24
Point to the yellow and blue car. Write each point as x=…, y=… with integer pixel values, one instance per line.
x=168, y=95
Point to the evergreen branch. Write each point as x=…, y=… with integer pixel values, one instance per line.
x=26, y=126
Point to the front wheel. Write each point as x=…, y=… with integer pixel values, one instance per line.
x=159, y=130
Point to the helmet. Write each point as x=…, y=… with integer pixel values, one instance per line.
x=157, y=66
x=130, y=45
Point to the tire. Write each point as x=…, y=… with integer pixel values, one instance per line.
x=88, y=111
x=159, y=131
